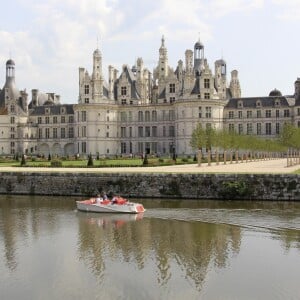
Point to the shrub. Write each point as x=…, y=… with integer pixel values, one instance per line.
x=145, y=161
x=56, y=163
x=23, y=161
x=90, y=161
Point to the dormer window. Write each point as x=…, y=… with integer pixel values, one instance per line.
x=258, y=103
x=47, y=110
x=62, y=110
x=123, y=91
x=172, y=88
x=12, y=108
x=240, y=104
x=277, y=103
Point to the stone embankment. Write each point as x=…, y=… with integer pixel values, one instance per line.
x=155, y=185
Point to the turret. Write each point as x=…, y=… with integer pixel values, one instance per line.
x=97, y=76
x=297, y=91
x=198, y=58
x=220, y=77
x=163, y=60
x=234, y=86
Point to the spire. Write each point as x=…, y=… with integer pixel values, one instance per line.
x=163, y=41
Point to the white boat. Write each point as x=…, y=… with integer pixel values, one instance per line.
x=121, y=205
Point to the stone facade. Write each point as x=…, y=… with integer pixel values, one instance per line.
x=183, y=186
x=138, y=112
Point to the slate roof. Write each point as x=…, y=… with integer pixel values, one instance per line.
x=54, y=110
x=252, y=101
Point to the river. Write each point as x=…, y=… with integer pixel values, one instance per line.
x=175, y=250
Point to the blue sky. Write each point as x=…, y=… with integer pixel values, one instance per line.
x=50, y=40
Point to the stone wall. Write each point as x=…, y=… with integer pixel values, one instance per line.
x=185, y=186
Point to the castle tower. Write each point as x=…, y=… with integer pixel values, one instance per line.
x=163, y=60
x=198, y=58
x=234, y=86
x=297, y=91
x=220, y=77
x=97, y=79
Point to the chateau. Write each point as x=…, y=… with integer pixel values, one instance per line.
x=138, y=111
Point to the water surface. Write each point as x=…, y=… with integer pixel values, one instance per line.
x=175, y=250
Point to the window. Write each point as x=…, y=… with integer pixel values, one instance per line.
x=140, y=116
x=107, y=134
x=12, y=129
x=147, y=131
x=83, y=147
x=54, y=120
x=154, y=116
x=171, y=131
x=123, y=132
x=171, y=115
x=123, y=101
x=47, y=133
x=249, y=128
x=130, y=116
x=268, y=129
x=268, y=113
x=277, y=128
x=71, y=119
x=62, y=133
x=240, y=128
x=249, y=114
x=231, y=115
x=277, y=113
x=83, y=131
x=63, y=119
x=258, y=113
x=154, y=131
x=258, y=128
x=208, y=112
x=140, y=131
x=83, y=116
x=55, y=133
x=123, y=147
x=172, y=99
x=286, y=113
x=47, y=120
x=123, y=116
x=206, y=95
x=39, y=120
x=86, y=100
x=200, y=112
x=231, y=127
x=164, y=130
x=147, y=116
x=71, y=132
x=240, y=114
x=12, y=120
x=12, y=108
x=130, y=131
x=172, y=88
x=40, y=133
x=86, y=89
x=123, y=91
x=206, y=83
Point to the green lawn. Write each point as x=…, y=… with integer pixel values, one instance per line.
x=132, y=162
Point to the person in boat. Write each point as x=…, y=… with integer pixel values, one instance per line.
x=98, y=199
x=104, y=196
x=114, y=199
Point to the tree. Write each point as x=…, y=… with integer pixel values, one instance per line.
x=23, y=160
x=49, y=157
x=198, y=140
x=145, y=161
x=90, y=161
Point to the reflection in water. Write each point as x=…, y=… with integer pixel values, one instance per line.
x=175, y=250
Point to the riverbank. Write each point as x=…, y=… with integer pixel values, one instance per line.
x=275, y=166
x=260, y=180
